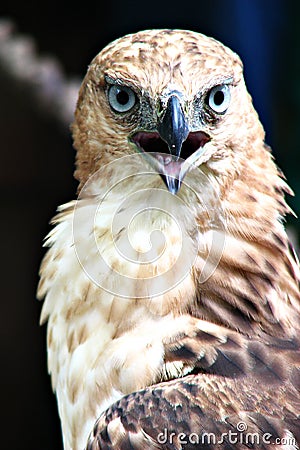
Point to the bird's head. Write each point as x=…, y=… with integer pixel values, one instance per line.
x=176, y=97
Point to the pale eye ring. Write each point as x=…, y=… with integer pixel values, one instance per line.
x=121, y=98
x=219, y=98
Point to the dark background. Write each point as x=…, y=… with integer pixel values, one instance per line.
x=37, y=159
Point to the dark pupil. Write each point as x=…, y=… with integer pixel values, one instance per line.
x=122, y=97
x=219, y=98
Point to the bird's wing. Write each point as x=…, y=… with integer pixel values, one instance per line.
x=219, y=351
x=249, y=391
x=186, y=414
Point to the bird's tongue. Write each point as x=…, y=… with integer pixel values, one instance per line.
x=169, y=164
x=170, y=168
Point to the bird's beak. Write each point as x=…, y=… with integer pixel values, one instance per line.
x=163, y=148
x=173, y=129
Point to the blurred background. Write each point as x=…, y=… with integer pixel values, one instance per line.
x=44, y=52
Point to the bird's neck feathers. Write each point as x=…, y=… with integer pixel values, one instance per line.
x=242, y=271
x=256, y=282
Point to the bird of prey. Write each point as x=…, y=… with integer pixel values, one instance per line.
x=171, y=289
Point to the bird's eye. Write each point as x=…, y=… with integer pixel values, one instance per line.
x=121, y=98
x=219, y=98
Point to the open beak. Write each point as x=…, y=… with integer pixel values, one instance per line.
x=167, y=148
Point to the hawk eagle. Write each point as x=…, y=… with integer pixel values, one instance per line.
x=171, y=289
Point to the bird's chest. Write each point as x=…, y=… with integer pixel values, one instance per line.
x=121, y=277
x=136, y=247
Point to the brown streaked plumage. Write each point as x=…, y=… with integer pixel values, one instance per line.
x=199, y=353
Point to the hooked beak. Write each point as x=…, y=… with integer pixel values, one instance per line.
x=173, y=128
x=169, y=147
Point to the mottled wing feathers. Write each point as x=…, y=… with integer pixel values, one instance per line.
x=233, y=355
x=237, y=383
x=187, y=414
